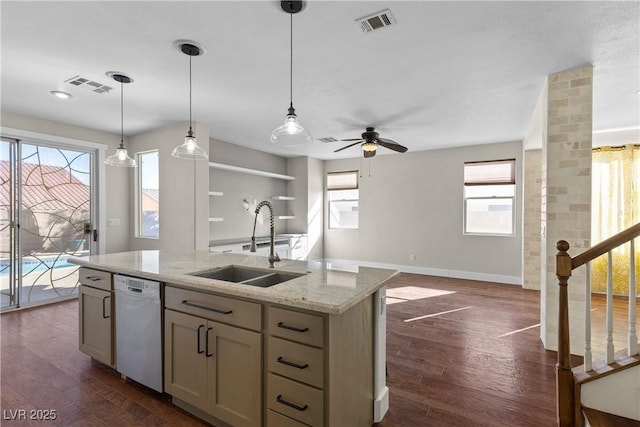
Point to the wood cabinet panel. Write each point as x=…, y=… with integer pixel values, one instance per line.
x=235, y=376
x=214, y=307
x=275, y=419
x=295, y=326
x=96, y=324
x=185, y=368
x=296, y=361
x=295, y=400
x=95, y=278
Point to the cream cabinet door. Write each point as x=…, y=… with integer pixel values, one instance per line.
x=185, y=363
x=96, y=324
x=235, y=369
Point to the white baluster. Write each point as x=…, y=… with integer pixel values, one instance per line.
x=609, y=343
x=632, y=338
x=587, y=321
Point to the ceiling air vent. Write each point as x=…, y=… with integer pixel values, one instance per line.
x=88, y=84
x=327, y=139
x=376, y=21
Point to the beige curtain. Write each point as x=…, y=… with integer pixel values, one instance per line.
x=615, y=202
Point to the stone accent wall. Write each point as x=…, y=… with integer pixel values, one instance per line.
x=531, y=229
x=566, y=196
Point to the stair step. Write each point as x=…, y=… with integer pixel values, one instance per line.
x=621, y=362
x=596, y=418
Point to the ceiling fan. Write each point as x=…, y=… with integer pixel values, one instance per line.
x=370, y=140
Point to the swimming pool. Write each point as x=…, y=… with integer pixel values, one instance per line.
x=33, y=265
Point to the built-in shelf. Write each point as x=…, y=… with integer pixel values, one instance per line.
x=250, y=171
x=283, y=198
x=216, y=219
x=216, y=193
x=285, y=217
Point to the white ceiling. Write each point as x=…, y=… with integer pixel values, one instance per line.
x=448, y=74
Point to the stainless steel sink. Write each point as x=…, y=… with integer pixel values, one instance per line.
x=231, y=274
x=247, y=276
x=271, y=279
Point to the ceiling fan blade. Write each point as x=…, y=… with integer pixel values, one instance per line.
x=348, y=146
x=352, y=139
x=392, y=145
x=368, y=154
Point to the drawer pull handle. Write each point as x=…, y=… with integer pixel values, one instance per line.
x=93, y=278
x=198, y=343
x=295, y=365
x=204, y=307
x=291, y=405
x=291, y=328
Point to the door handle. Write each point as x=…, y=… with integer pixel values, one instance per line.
x=206, y=346
x=198, y=349
x=104, y=313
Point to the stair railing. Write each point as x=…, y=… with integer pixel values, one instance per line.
x=565, y=264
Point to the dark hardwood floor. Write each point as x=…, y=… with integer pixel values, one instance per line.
x=460, y=353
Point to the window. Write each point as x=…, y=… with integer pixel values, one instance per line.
x=342, y=193
x=148, y=201
x=489, y=196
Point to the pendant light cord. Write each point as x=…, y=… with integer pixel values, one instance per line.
x=291, y=57
x=121, y=114
x=190, y=122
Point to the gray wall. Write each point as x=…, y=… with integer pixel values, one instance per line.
x=236, y=186
x=183, y=191
x=116, y=179
x=413, y=204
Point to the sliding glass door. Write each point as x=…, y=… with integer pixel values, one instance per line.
x=47, y=205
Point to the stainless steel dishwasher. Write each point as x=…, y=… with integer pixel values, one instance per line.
x=139, y=330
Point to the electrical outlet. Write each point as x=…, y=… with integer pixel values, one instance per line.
x=114, y=222
x=412, y=257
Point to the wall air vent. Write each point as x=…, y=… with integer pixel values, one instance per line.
x=376, y=21
x=91, y=85
x=327, y=139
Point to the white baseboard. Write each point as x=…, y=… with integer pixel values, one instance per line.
x=381, y=405
x=455, y=274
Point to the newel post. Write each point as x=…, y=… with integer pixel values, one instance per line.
x=564, y=376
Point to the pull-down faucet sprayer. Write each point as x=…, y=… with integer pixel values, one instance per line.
x=273, y=257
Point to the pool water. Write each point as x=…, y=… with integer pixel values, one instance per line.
x=31, y=265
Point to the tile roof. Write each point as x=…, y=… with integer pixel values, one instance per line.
x=46, y=188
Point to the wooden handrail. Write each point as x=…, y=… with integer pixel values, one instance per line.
x=605, y=246
x=565, y=264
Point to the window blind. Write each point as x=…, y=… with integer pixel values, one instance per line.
x=342, y=180
x=493, y=172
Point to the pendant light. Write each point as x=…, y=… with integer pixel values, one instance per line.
x=121, y=157
x=291, y=134
x=190, y=148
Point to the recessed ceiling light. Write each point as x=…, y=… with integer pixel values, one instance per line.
x=61, y=95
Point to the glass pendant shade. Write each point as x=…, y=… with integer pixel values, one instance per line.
x=291, y=134
x=189, y=148
x=121, y=158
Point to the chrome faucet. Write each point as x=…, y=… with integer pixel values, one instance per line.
x=273, y=257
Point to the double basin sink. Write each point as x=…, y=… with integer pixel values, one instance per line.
x=247, y=276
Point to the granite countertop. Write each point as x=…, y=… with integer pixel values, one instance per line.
x=322, y=288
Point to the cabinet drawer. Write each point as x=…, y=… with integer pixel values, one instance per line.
x=95, y=278
x=275, y=419
x=295, y=326
x=296, y=361
x=226, y=310
x=298, y=401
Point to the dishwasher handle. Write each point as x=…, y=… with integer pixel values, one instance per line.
x=204, y=307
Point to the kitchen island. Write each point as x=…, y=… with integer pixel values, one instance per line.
x=307, y=351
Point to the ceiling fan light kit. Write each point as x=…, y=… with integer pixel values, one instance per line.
x=291, y=133
x=121, y=157
x=369, y=141
x=189, y=149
